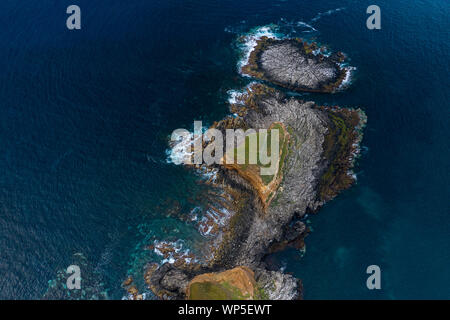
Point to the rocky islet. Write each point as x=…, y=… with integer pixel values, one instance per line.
x=248, y=216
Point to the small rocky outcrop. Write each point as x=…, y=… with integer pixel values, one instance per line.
x=278, y=286
x=295, y=65
x=167, y=281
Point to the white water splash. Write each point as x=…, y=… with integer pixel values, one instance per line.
x=235, y=96
x=249, y=41
x=173, y=251
x=181, y=150
x=349, y=70
x=304, y=24
x=326, y=13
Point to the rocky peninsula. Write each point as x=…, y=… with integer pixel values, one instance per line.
x=250, y=216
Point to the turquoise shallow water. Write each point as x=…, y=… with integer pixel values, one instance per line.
x=85, y=117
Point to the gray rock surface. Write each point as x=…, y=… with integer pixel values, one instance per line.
x=279, y=286
x=295, y=65
x=169, y=282
x=298, y=191
x=284, y=63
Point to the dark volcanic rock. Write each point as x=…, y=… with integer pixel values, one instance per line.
x=168, y=282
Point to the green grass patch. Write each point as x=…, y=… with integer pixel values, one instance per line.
x=245, y=149
x=215, y=291
x=337, y=146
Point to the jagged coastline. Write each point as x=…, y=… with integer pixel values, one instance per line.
x=252, y=217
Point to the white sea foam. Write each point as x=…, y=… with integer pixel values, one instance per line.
x=205, y=227
x=173, y=250
x=307, y=25
x=349, y=70
x=283, y=29
x=326, y=13
x=169, y=260
x=194, y=213
x=212, y=218
x=181, y=150
x=207, y=173
x=250, y=41
x=235, y=95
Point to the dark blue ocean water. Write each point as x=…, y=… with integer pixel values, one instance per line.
x=85, y=116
